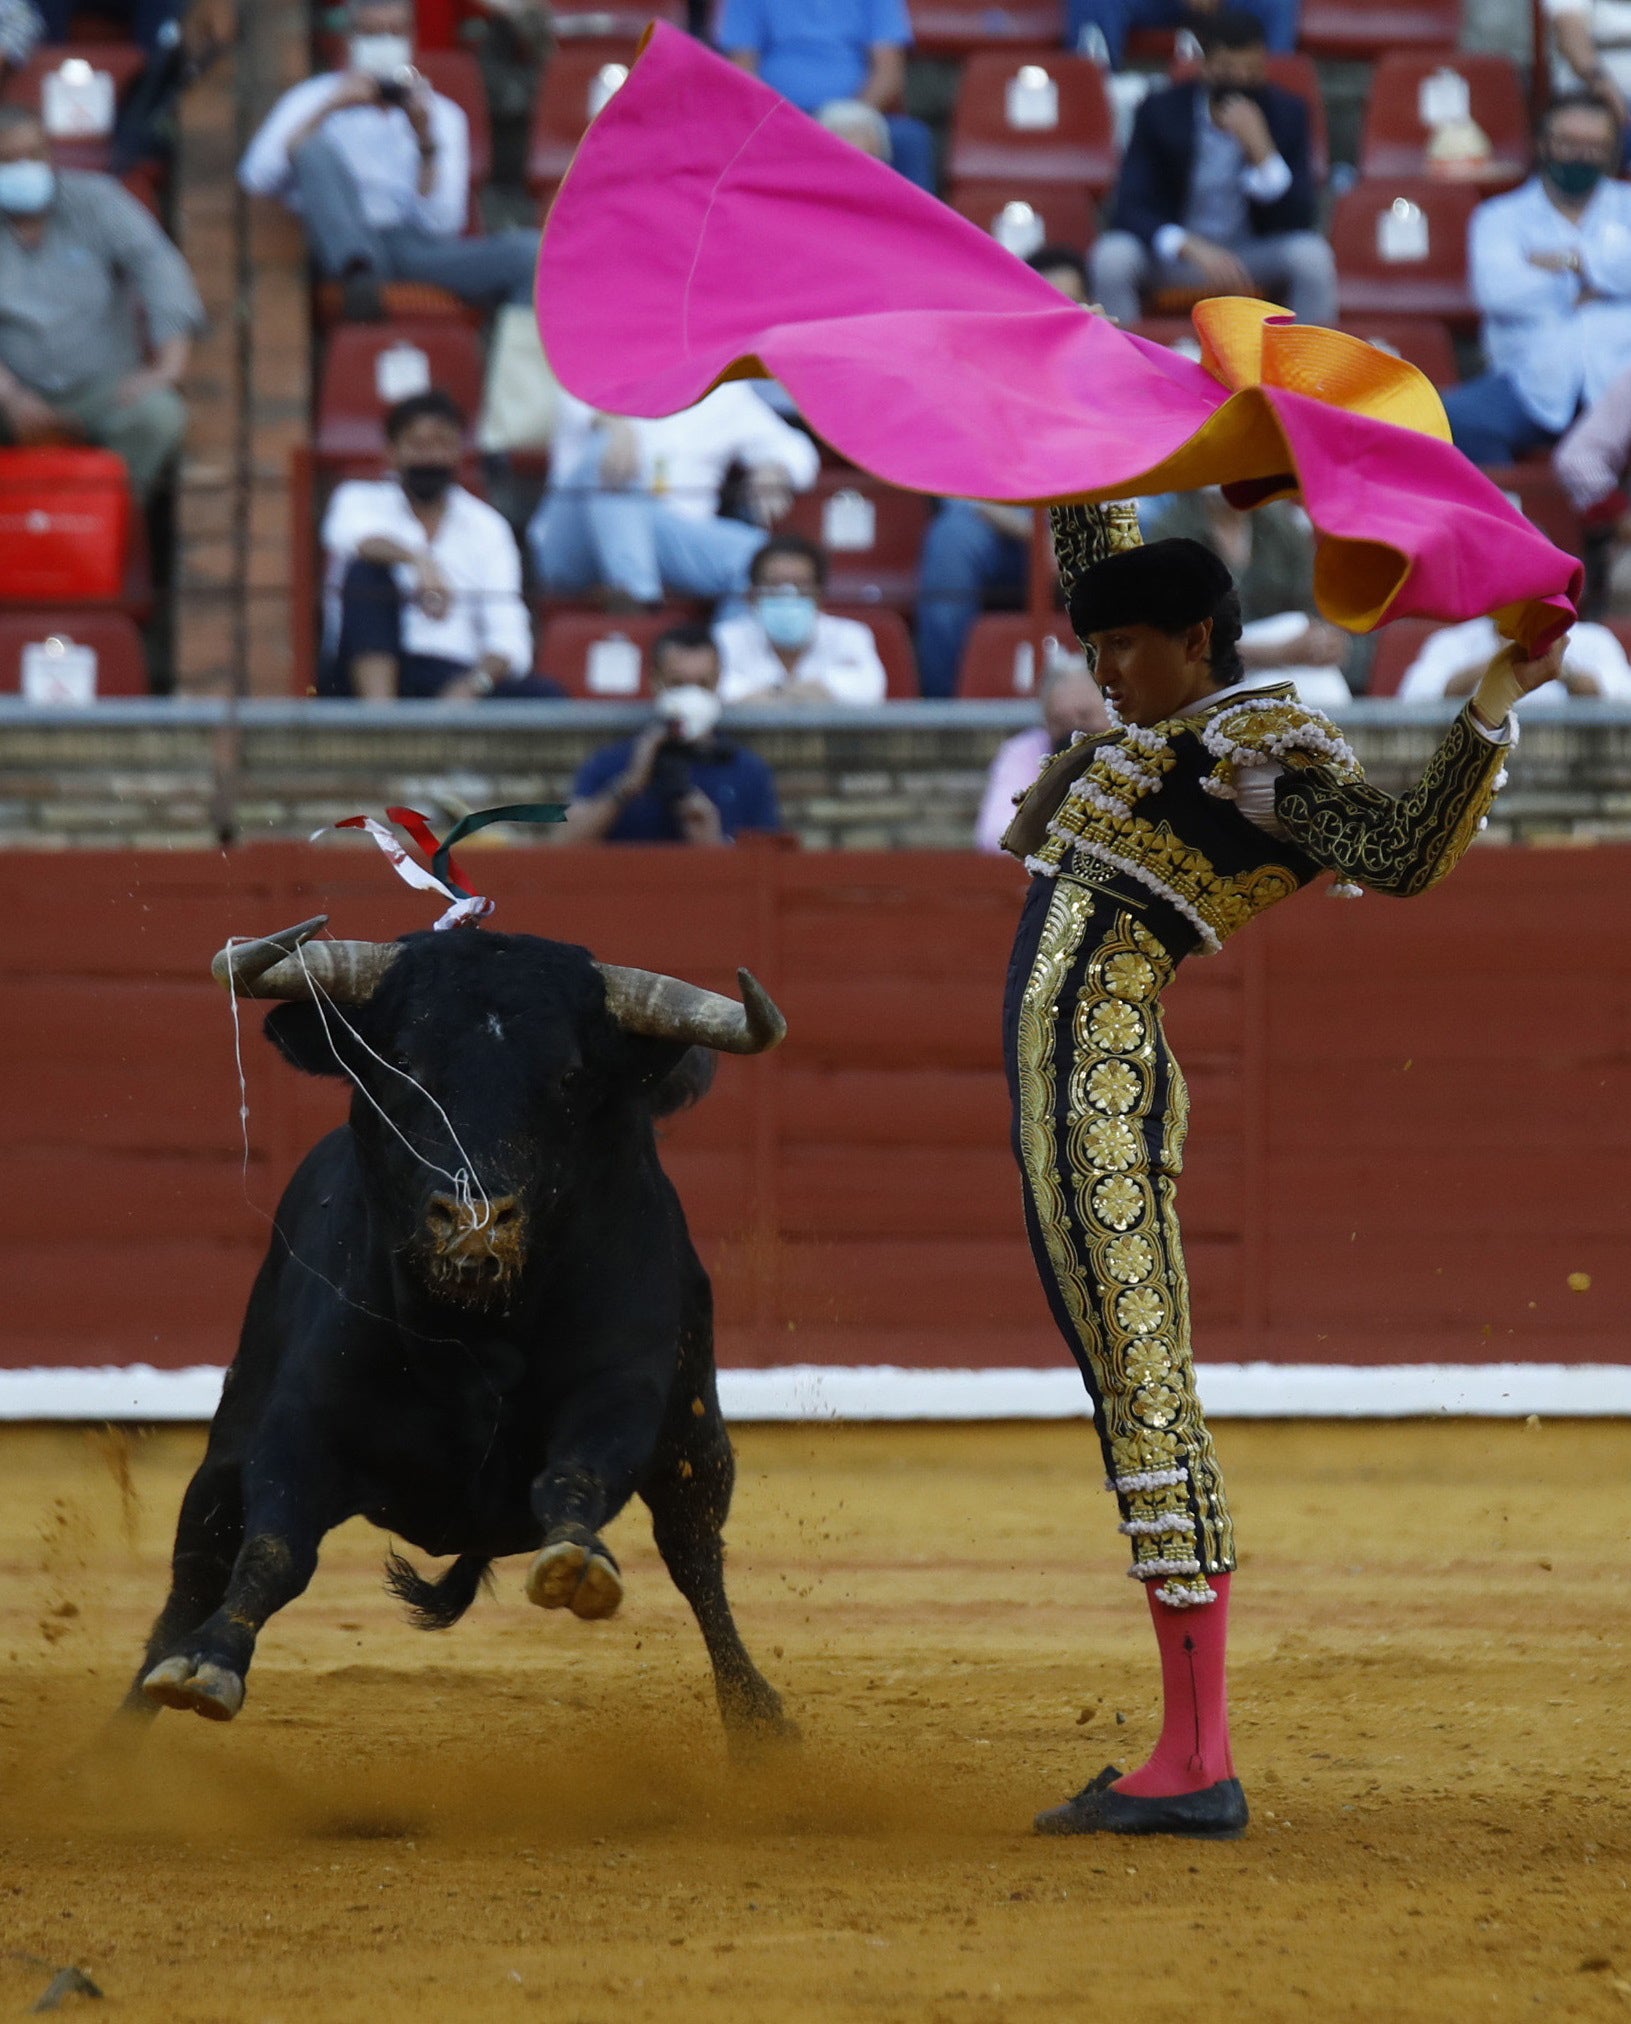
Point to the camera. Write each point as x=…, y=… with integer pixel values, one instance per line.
x=671, y=775
x=398, y=88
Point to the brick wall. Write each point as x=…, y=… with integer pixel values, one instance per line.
x=182, y=774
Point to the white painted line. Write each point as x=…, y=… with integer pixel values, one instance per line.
x=889, y=1392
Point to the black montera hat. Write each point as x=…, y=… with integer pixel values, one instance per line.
x=1171, y=584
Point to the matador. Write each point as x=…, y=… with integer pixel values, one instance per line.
x=1214, y=797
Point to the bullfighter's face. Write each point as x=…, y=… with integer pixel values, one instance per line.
x=1149, y=675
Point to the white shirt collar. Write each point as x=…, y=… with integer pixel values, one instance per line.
x=1250, y=686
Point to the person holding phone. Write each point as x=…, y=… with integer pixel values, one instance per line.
x=377, y=164
x=1217, y=189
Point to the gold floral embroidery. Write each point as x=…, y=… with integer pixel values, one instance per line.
x=1126, y=1296
x=1114, y=1087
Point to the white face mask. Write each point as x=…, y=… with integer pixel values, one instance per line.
x=380, y=56
x=693, y=711
x=26, y=188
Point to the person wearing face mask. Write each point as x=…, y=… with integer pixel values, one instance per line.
x=785, y=648
x=1550, y=265
x=378, y=165
x=97, y=311
x=677, y=782
x=423, y=579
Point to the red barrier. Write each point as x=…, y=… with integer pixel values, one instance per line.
x=1410, y=1122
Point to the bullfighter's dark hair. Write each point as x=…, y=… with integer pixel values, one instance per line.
x=790, y=544
x=433, y=402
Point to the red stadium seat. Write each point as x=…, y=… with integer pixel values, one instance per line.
x=121, y=62
x=1001, y=661
x=1401, y=249
x=119, y=666
x=1401, y=114
x=456, y=75
x=1042, y=119
x=1397, y=646
x=960, y=27
x=1044, y=213
x=1422, y=341
x=894, y=644
x=1541, y=498
x=575, y=85
x=1371, y=28
x=872, y=536
x=368, y=366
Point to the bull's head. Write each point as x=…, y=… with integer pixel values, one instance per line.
x=496, y=1076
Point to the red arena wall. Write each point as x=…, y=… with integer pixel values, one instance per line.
x=1409, y=1141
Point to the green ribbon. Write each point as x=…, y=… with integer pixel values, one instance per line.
x=519, y=811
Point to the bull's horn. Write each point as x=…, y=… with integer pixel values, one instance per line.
x=645, y=1001
x=269, y=968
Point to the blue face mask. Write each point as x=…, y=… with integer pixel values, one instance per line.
x=788, y=617
x=26, y=188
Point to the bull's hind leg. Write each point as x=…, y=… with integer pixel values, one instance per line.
x=209, y=1533
x=689, y=1494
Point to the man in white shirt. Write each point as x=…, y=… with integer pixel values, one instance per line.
x=632, y=506
x=378, y=167
x=785, y=648
x=1453, y=659
x=423, y=580
x=1550, y=265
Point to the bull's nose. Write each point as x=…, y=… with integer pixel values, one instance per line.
x=454, y=1224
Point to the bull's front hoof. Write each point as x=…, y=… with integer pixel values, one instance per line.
x=208, y=1689
x=578, y=1575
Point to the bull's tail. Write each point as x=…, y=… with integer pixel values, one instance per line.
x=437, y=1605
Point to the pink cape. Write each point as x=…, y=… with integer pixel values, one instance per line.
x=708, y=229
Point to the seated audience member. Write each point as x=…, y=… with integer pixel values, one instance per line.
x=1591, y=460
x=677, y=782
x=862, y=125
x=1070, y=703
x=632, y=507
x=975, y=548
x=784, y=648
x=21, y=31
x=813, y=54
x=97, y=311
x=1594, y=665
x=377, y=165
x=1099, y=28
x=1217, y=189
x=1270, y=554
x=1550, y=265
x=423, y=578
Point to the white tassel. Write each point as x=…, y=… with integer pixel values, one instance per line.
x=1186, y=1598
x=1345, y=889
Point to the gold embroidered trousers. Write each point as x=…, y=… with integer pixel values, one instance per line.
x=1100, y=1112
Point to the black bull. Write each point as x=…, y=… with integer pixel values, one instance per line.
x=481, y=1323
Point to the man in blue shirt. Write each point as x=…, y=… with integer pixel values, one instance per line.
x=676, y=782
x=1099, y=28
x=815, y=51
x=1550, y=265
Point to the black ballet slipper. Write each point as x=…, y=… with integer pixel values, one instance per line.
x=1217, y=1814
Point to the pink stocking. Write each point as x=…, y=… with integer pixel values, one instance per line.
x=1193, y=1749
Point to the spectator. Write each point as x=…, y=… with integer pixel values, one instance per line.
x=862, y=125
x=1592, y=41
x=1591, y=459
x=1217, y=188
x=1070, y=703
x=378, y=166
x=632, y=507
x=1111, y=20
x=423, y=579
x=813, y=54
x=1594, y=665
x=1551, y=271
x=21, y=31
x=677, y=782
x=974, y=548
x=785, y=648
x=97, y=311
x=1270, y=554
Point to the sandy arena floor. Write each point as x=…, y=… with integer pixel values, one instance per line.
x=532, y=1817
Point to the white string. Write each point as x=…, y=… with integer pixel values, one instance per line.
x=461, y=1181
x=234, y=942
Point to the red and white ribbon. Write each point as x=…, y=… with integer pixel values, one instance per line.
x=460, y=912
